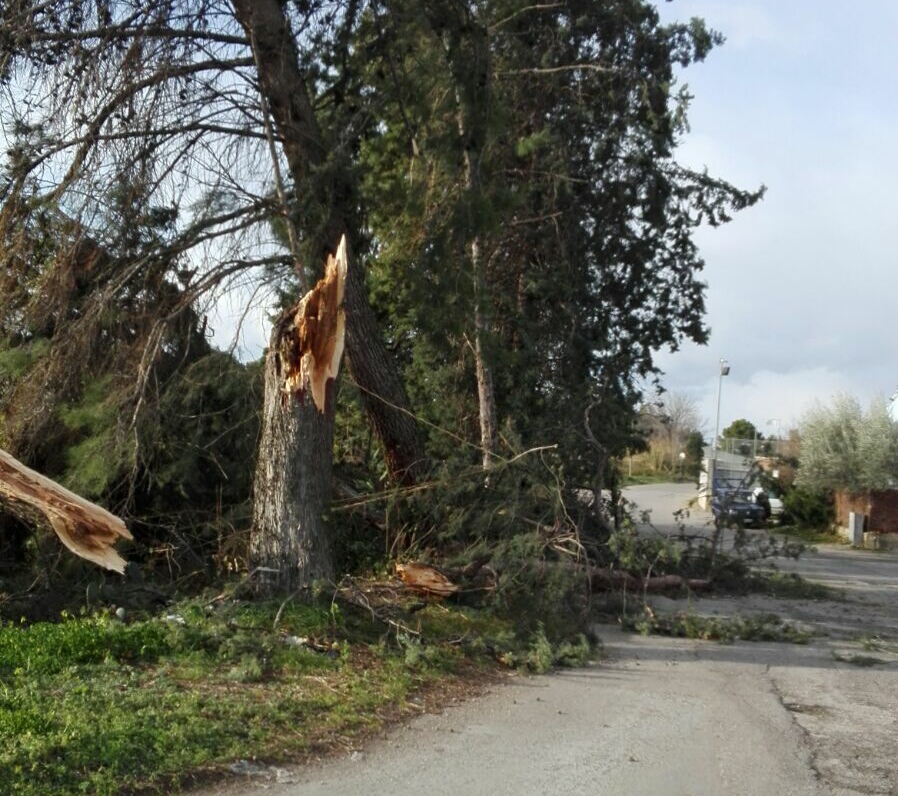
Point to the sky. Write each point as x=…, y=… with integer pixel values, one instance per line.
x=802, y=289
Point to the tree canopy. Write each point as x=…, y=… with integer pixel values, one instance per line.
x=506, y=174
x=845, y=447
x=741, y=429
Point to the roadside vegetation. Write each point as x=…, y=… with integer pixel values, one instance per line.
x=93, y=704
x=143, y=692
x=726, y=630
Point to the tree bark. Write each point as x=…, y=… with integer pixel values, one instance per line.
x=307, y=151
x=486, y=394
x=290, y=544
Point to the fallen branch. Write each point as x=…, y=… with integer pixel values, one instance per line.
x=602, y=579
x=86, y=529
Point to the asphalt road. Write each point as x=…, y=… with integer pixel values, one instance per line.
x=666, y=717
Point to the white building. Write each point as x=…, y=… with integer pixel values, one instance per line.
x=728, y=470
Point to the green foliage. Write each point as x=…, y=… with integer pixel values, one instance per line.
x=44, y=648
x=741, y=429
x=694, y=556
x=808, y=508
x=17, y=360
x=97, y=456
x=785, y=585
x=90, y=704
x=590, y=266
x=540, y=655
x=695, y=451
x=726, y=630
x=843, y=447
x=877, y=644
x=200, y=444
x=186, y=467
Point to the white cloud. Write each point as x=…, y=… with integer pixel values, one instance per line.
x=802, y=288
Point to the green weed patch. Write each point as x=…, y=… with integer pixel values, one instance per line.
x=763, y=627
x=91, y=705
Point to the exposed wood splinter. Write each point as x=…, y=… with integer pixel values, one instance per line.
x=425, y=579
x=86, y=529
x=312, y=337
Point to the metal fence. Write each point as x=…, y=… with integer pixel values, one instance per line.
x=752, y=447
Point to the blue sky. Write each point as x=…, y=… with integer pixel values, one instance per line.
x=802, y=289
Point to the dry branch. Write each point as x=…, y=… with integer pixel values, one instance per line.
x=88, y=530
x=602, y=579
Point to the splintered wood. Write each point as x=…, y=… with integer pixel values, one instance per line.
x=312, y=338
x=425, y=579
x=88, y=530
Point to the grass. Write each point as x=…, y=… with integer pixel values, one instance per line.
x=90, y=705
x=638, y=479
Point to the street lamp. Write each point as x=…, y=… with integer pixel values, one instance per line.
x=724, y=371
x=775, y=422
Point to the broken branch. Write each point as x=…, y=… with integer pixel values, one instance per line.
x=86, y=529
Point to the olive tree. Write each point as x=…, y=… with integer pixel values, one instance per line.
x=844, y=447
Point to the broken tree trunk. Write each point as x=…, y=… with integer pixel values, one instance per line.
x=333, y=188
x=290, y=546
x=86, y=529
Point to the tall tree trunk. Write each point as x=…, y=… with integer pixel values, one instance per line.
x=486, y=394
x=375, y=373
x=308, y=151
x=290, y=546
x=466, y=42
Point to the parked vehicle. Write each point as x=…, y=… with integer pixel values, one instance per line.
x=737, y=508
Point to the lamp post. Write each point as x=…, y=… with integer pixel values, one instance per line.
x=724, y=371
x=775, y=422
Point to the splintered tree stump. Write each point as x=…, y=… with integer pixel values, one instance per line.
x=86, y=529
x=312, y=337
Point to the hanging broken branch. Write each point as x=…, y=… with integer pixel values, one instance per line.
x=88, y=530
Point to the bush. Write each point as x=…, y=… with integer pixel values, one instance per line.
x=808, y=508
